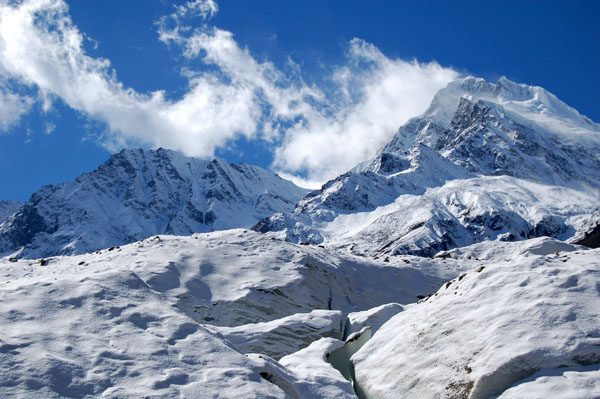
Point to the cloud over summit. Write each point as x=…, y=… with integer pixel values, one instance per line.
x=315, y=133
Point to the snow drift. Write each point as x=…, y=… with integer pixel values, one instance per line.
x=490, y=328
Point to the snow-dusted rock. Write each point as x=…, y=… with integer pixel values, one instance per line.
x=589, y=232
x=490, y=328
x=137, y=194
x=7, y=208
x=485, y=162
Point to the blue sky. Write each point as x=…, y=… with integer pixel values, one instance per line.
x=305, y=88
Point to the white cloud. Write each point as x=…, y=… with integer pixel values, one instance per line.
x=49, y=128
x=173, y=26
x=12, y=107
x=380, y=95
x=315, y=133
x=41, y=47
x=204, y=8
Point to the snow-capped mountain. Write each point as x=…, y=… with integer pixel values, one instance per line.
x=137, y=194
x=502, y=313
x=486, y=161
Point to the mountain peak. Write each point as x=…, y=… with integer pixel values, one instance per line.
x=533, y=106
x=139, y=193
x=513, y=91
x=486, y=161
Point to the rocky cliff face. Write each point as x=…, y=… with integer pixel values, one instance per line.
x=138, y=193
x=486, y=161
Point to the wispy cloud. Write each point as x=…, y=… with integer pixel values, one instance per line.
x=376, y=96
x=314, y=133
x=49, y=128
x=12, y=107
x=42, y=48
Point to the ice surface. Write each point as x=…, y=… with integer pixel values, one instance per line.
x=490, y=328
x=317, y=377
x=373, y=318
x=563, y=383
x=173, y=316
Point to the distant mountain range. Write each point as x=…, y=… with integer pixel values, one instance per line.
x=486, y=161
x=137, y=194
x=501, y=161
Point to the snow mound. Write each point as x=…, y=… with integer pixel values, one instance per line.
x=488, y=329
x=284, y=336
x=562, y=383
x=237, y=277
x=97, y=330
x=492, y=250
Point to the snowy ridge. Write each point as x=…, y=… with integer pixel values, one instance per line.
x=486, y=161
x=137, y=194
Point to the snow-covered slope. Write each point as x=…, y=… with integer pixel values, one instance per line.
x=532, y=308
x=138, y=193
x=236, y=277
x=149, y=319
x=485, y=162
x=7, y=208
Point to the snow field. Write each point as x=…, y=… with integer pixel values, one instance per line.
x=173, y=316
x=490, y=328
